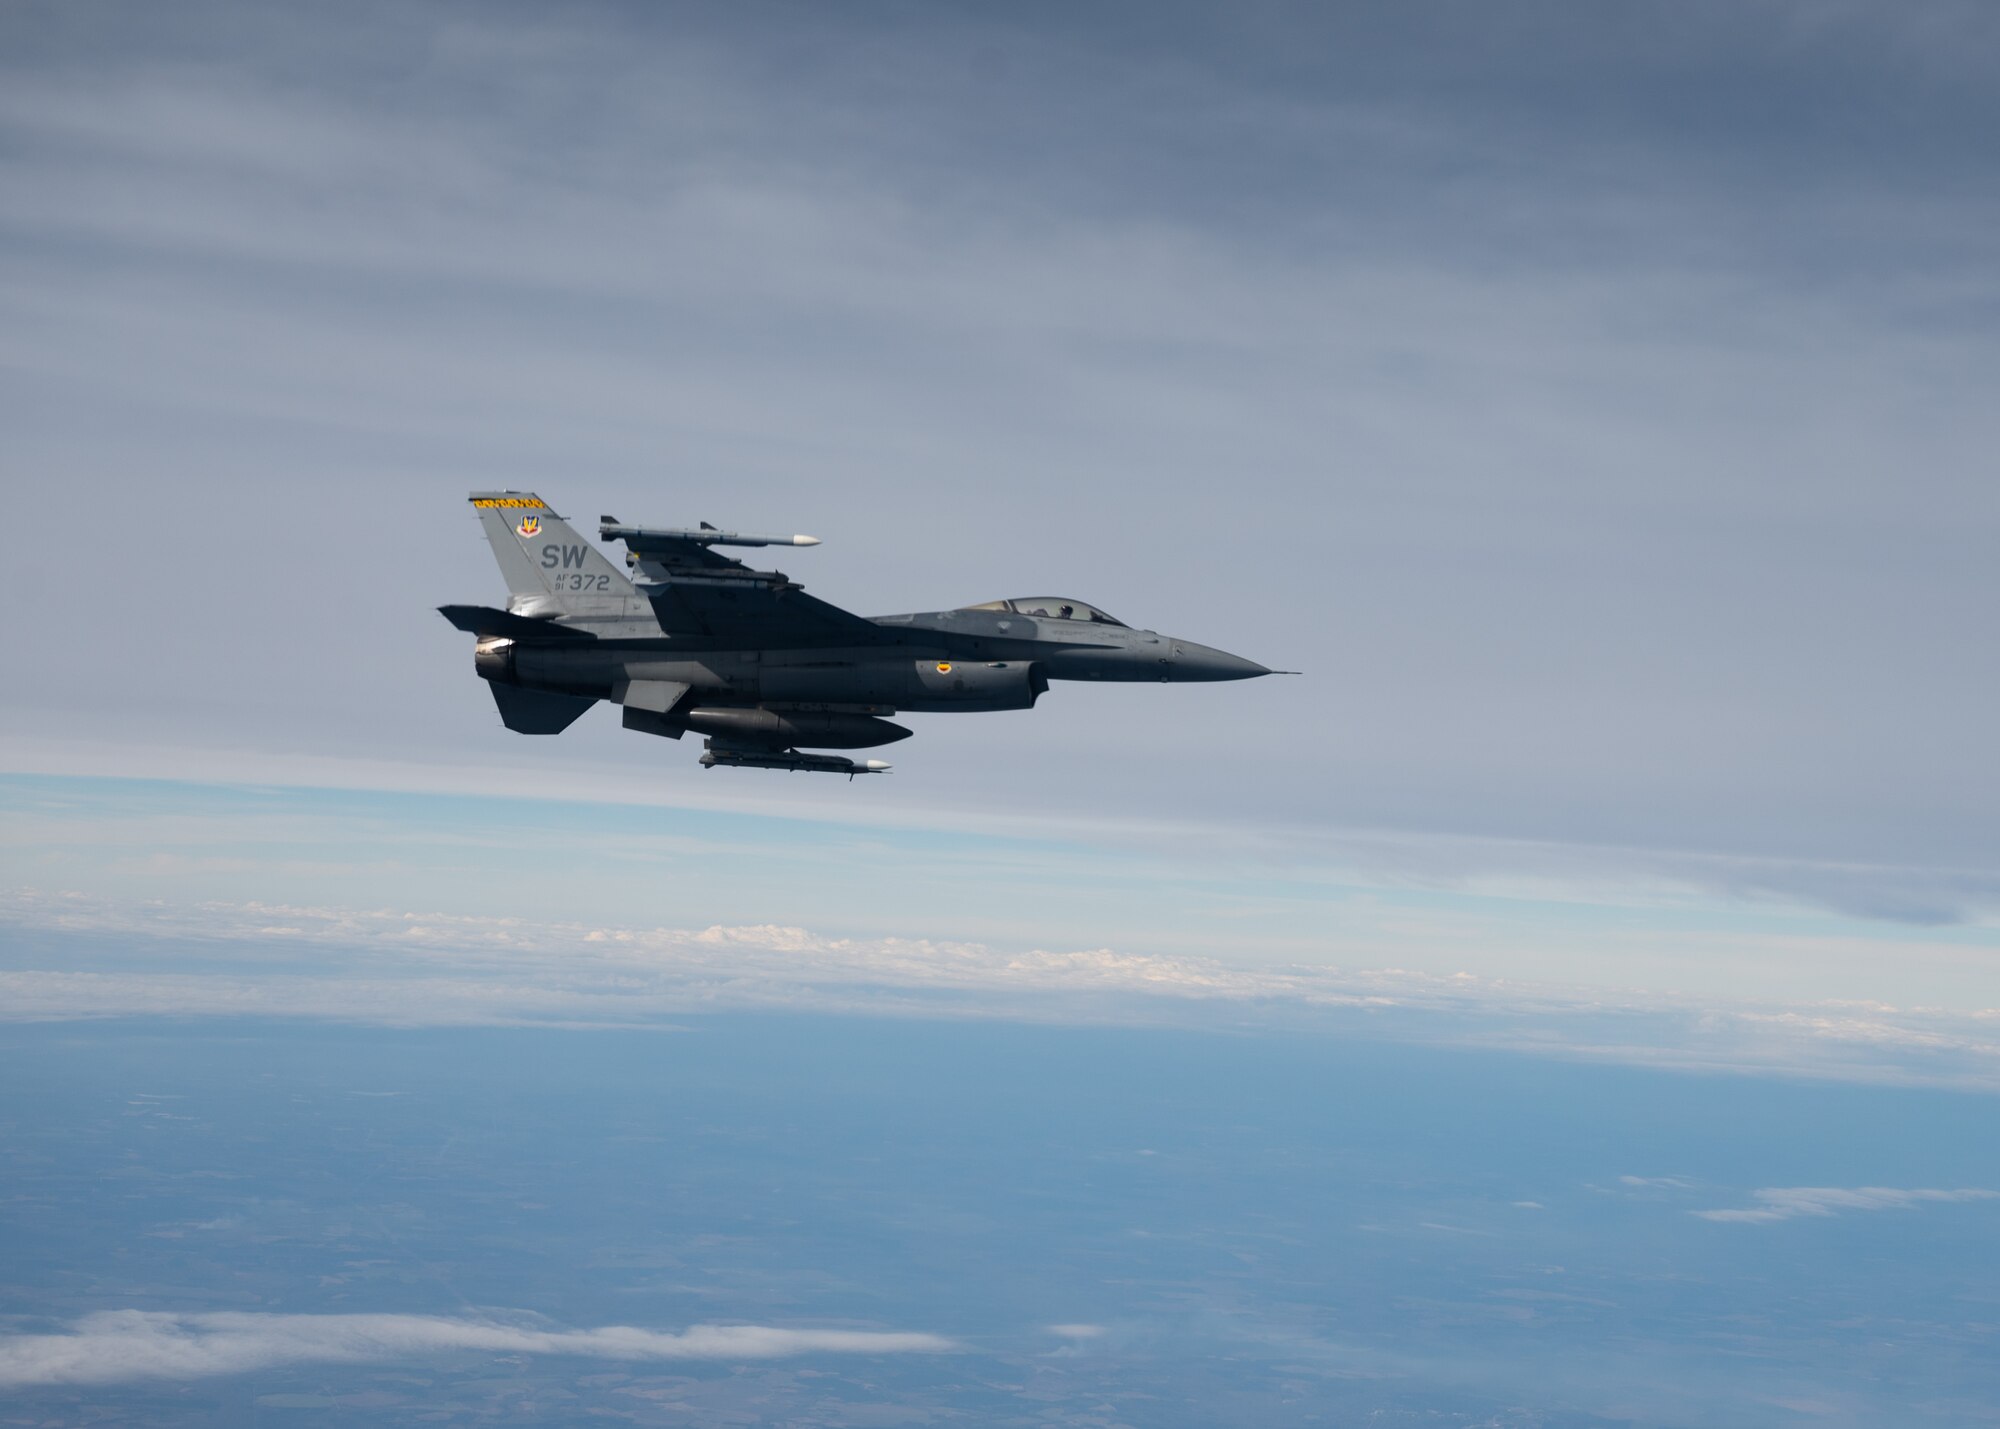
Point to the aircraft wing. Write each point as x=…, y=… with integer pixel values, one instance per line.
x=758, y=618
x=696, y=591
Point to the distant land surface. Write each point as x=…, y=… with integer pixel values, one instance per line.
x=1103, y=1226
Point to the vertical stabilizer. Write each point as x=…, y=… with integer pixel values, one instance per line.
x=546, y=564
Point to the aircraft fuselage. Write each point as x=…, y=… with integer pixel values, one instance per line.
x=694, y=642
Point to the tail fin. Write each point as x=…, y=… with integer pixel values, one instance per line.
x=545, y=563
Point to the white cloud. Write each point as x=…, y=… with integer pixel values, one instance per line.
x=1782, y=1203
x=1077, y=1332
x=401, y=968
x=144, y=1344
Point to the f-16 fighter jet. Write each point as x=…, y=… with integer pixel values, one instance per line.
x=693, y=641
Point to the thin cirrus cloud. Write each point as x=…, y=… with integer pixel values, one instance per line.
x=1784, y=1203
x=115, y=1345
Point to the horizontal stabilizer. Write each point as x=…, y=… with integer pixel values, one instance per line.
x=485, y=620
x=537, y=711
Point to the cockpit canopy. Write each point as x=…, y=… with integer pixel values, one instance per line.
x=1050, y=607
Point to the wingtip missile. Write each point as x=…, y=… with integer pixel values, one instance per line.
x=611, y=528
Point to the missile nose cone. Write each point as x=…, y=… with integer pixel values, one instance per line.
x=805, y=540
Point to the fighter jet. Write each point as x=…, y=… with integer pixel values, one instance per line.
x=693, y=641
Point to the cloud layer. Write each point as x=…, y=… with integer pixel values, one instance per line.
x=1783, y=1203
x=398, y=968
x=142, y=1344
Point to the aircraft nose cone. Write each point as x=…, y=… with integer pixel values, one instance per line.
x=1203, y=662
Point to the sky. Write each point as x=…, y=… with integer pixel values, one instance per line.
x=1570, y=1001
x=1591, y=402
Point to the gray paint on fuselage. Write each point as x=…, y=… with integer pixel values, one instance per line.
x=714, y=636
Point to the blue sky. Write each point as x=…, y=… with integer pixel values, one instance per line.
x=1591, y=402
